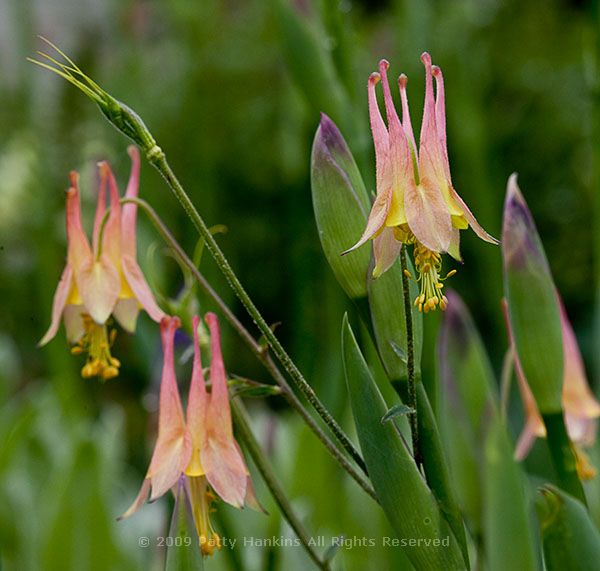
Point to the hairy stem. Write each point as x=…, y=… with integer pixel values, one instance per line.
x=158, y=159
x=268, y=475
x=410, y=363
x=262, y=355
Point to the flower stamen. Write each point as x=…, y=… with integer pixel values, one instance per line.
x=96, y=342
x=202, y=499
x=429, y=266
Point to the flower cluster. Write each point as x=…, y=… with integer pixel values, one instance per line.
x=416, y=202
x=102, y=279
x=198, y=446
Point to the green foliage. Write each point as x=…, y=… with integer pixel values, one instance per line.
x=509, y=539
x=571, y=541
x=468, y=405
x=341, y=206
x=532, y=303
x=183, y=552
x=409, y=505
x=386, y=302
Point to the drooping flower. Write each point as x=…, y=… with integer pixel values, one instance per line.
x=416, y=202
x=103, y=279
x=580, y=407
x=202, y=450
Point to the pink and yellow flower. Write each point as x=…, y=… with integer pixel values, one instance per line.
x=202, y=450
x=580, y=407
x=416, y=202
x=104, y=278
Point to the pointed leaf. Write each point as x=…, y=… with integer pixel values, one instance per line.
x=407, y=502
x=341, y=206
x=396, y=411
x=508, y=532
x=468, y=402
x=570, y=539
x=532, y=303
x=183, y=551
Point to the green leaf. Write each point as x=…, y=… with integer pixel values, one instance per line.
x=341, y=207
x=532, y=302
x=467, y=404
x=407, y=502
x=395, y=411
x=508, y=533
x=386, y=301
x=183, y=551
x=570, y=539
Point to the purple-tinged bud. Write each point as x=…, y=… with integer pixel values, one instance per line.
x=532, y=303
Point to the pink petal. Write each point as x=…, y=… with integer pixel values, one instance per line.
x=428, y=215
x=78, y=246
x=378, y=128
x=454, y=248
x=196, y=409
x=406, y=122
x=394, y=126
x=140, y=288
x=578, y=399
x=525, y=442
x=99, y=285
x=221, y=459
x=401, y=165
x=111, y=241
x=582, y=430
x=173, y=444
x=471, y=219
x=377, y=217
x=73, y=317
x=170, y=458
x=440, y=117
x=100, y=211
x=431, y=157
x=58, y=303
x=129, y=213
x=219, y=412
x=126, y=313
x=225, y=471
x=139, y=500
x=385, y=250
x=251, y=499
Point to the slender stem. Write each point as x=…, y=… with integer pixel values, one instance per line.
x=266, y=471
x=410, y=363
x=158, y=159
x=262, y=355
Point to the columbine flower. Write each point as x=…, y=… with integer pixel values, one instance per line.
x=416, y=202
x=104, y=278
x=203, y=451
x=579, y=404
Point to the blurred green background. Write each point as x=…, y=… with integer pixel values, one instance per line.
x=232, y=91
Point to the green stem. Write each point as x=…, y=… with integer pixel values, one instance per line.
x=157, y=158
x=563, y=457
x=266, y=471
x=410, y=363
x=253, y=345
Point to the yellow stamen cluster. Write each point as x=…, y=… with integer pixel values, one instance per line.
x=202, y=499
x=96, y=342
x=429, y=266
x=585, y=469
